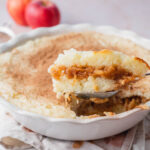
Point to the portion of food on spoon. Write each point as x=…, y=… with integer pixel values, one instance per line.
x=94, y=71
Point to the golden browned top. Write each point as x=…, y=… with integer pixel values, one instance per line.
x=26, y=69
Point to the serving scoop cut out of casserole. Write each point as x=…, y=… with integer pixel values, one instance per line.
x=95, y=71
x=26, y=83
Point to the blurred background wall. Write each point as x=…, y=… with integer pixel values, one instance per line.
x=124, y=14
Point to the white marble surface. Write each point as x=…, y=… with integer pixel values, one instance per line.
x=124, y=14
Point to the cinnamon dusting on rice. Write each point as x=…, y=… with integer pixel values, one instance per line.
x=27, y=70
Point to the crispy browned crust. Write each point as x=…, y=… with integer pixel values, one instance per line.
x=141, y=60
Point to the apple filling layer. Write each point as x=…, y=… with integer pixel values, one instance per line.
x=96, y=106
x=113, y=72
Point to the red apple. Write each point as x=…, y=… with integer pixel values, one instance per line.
x=16, y=9
x=42, y=13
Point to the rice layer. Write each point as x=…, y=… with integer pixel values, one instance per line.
x=26, y=83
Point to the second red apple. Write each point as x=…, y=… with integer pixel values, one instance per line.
x=41, y=13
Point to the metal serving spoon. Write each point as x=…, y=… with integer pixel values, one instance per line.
x=96, y=94
x=99, y=94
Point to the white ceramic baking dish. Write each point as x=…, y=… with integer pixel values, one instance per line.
x=75, y=129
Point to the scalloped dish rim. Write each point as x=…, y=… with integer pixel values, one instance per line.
x=66, y=28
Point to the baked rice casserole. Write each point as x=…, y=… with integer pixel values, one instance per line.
x=26, y=83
